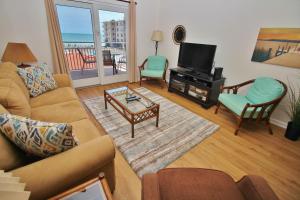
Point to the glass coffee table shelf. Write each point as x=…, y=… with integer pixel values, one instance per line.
x=133, y=106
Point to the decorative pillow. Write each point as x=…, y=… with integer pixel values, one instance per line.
x=38, y=79
x=38, y=138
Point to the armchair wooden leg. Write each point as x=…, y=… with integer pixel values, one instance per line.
x=269, y=127
x=218, y=106
x=238, y=126
x=114, y=70
x=141, y=81
x=82, y=68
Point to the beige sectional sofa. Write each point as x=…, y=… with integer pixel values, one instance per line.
x=47, y=177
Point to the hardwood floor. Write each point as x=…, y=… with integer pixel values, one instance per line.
x=253, y=151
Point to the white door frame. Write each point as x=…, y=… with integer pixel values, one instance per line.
x=94, y=7
x=114, y=8
x=87, y=5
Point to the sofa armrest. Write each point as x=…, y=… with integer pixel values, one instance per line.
x=256, y=188
x=62, y=80
x=58, y=173
x=150, y=187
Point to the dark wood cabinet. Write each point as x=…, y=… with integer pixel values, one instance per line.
x=199, y=88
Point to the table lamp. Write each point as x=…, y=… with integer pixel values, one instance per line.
x=157, y=36
x=18, y=53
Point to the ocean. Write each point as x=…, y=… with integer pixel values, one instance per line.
x=77, y=38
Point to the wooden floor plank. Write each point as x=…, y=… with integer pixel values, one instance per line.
x=253, y=151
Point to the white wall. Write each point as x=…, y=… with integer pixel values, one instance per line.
x=233, y=26
x=26, y=21
x=147, y=13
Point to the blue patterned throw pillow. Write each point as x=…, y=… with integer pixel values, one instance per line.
x=38, y=79
x=42, y=139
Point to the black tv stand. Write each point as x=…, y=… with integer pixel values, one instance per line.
x=198, y=87
x=202, y=75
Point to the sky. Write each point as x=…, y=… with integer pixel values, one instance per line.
x=78, y=20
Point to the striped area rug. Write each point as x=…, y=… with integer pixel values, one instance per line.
x=153, y=148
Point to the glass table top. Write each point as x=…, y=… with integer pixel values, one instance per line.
x=130, y=99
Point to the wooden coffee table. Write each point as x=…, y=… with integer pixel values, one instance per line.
x=133, y=111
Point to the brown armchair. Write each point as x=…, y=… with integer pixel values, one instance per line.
x=262, y=98
x=197, y=184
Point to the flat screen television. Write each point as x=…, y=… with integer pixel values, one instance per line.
x=197, y=57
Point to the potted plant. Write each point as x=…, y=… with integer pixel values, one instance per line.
x=293, y=128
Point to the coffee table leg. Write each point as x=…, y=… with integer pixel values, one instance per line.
x=105, y=102
x=132, y=130
x=157, y=117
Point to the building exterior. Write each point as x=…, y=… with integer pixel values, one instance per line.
x=114, y=33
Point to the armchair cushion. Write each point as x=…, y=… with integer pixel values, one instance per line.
x=236, y=103
x=152, y=73
x=156, y=63
x=263, y=90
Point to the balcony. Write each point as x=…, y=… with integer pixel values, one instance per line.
x=82, y=61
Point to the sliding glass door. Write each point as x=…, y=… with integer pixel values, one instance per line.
x=112, y=30
x=77, y=30
x=95, y=41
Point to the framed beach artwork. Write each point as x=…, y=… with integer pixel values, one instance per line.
x=278, y=46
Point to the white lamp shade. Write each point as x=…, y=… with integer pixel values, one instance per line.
x=157, y=36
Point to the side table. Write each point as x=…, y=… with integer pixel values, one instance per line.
x=96, y=188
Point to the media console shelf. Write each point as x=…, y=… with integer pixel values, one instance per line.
x=198, y=88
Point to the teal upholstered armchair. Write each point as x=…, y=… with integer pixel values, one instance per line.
x=156, y=68
x=258, y=104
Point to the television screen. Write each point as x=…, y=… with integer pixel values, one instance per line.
x=197, y=57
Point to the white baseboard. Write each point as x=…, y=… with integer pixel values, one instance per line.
x=278, y=123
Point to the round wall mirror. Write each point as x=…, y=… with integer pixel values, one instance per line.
x=179, y=34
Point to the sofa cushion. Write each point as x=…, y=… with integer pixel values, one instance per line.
x=37, y=138
x=63, y=80
x=264, y=89
x=67, y=112
x=13, y=99
x=8, y=70
x=3, y=110
x=58, y=95
x=197, y=184
x=38, y=79
x=85, y=130
x=58, y=173
x=11, y=156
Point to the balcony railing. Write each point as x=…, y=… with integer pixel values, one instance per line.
x=81, y=59
x=75, y=58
